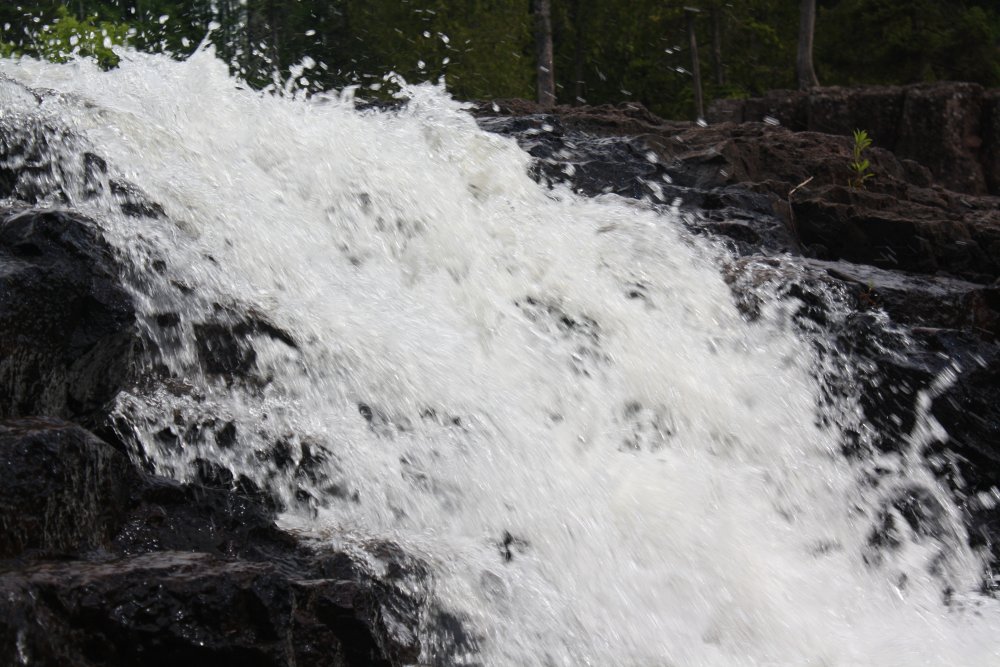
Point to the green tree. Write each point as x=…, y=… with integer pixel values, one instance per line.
x=66, y=36
x=897, y=41
x=608, y=51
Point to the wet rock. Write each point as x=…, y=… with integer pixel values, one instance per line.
x=226, y=347
x=935, y=326
x=969, y=406
x=738, y=181
x=173, y=607
x=151, y=571
x=509, y=545
x=40, y=162
x=68, y=340
x=218, y=516
x=61, y=488
x=900, y=277
x=592, y=166
x=922, y=303
x=875, y=228
x=43, y=161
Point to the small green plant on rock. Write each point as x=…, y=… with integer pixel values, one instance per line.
x=860, y=165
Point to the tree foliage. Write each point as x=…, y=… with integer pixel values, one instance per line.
x=888, y=41
x=67, y=36
x=608, y=51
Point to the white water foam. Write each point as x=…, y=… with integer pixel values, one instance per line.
x=654, y=460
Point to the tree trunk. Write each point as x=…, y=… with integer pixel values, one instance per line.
x=579, y=46
x=720, y=72
x=699, y=105
x=543, y=53
x=807, y=26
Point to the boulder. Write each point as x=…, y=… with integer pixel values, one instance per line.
x=68, y=339
x=837, y=110
x=168, y=608
x=61, y=489
x=103, y=566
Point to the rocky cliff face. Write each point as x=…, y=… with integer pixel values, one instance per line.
x=953, y=129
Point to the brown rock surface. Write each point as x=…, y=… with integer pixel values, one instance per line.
x=950, y=128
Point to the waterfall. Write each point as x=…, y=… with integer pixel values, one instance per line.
x=552, y=401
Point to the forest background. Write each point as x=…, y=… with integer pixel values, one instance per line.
x=604, y=51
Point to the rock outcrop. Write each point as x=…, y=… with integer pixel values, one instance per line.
x=102, y=565
x=953, y=129
x=901, y=220
x=68, y=338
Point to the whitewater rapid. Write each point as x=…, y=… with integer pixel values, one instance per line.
x=550, y=400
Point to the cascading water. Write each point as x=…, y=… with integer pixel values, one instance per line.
x=551, y=401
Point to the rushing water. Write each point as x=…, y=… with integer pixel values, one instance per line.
x=552, y=401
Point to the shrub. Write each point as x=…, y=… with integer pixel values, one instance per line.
x=67, y=36
x=860, y=165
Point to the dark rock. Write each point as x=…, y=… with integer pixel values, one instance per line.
x=151, y=571
x=991, y=140
x=172, y=607
x=68, y=339
x=737, y=181
x=509, y=545
x=225, y=437
x=875, y=109
x=218, y=516
x=941, y=129
x=225, y=343
x=969, y=406
x=590, y=165
x=61, y=489
x=629, y=119
x=921, y=302
x=949, y=128
x=133, y=201
x=42, y=161
x=874, y=228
